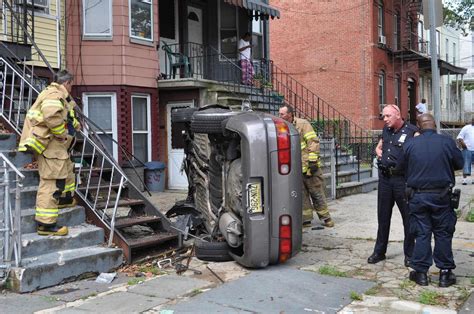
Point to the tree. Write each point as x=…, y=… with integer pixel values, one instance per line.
x=459, y=14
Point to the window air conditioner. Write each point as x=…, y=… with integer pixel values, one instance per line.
x=38, y=3
x=382, y=40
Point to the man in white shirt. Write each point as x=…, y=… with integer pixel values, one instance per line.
x=466, y=140
x=421, y=107
x=245, y=56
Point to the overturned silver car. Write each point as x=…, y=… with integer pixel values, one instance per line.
x=244, y=175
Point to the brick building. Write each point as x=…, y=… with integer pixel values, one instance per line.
x=351, y=53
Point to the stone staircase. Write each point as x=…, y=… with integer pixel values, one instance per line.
x=48, y=261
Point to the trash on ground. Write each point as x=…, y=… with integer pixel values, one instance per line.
x=105, y=277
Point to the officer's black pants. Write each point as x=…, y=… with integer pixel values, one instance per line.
x=429, y=213
x=392, y=190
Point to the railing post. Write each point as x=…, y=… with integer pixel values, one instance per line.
x=7, y=216
x=333, y=169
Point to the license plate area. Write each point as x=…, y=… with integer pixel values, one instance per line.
x=254, y=198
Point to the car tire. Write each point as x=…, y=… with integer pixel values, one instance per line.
x=214, y=251
x=209, y=121
x=182, y=115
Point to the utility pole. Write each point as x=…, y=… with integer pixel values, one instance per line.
x=434, y=65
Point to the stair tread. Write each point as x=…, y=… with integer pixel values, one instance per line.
x=94, y=187
x=74, y=231
x=31, y=211
x=122, y=203
x=130, y=221
x=152, y=239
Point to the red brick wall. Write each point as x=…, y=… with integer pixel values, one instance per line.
x=330, y=46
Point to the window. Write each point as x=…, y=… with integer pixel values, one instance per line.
x=141, y=19
x=100, y=108
x=380, y=20
x=454, y=53
x=447, y=50
x=397, y=90
x=381, y=89
x=97, y=18
x=438, y=42
x=228, y=30
x=396, y=31
x=39, y=6
x=141, y=127
x=257, y=39
x=166, y=10
x=421, y=41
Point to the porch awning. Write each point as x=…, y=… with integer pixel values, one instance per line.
x=263, y=9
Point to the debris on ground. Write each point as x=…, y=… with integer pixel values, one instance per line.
x=31, y=165
x=105, y=277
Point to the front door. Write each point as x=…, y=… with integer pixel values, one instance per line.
x=195, y=39
x=176, y=178
x=412, y=101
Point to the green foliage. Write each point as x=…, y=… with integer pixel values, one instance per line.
x=331, y=271
x=374, y=290
x=407, y=284
x=135, y=281
x=459, y=14
x=430, y=297
x=355, y=296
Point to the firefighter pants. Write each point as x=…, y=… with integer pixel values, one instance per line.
x=314, y=196
x=55, y=190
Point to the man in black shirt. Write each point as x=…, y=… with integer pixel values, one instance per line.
x=391, y=187
x=429, y=161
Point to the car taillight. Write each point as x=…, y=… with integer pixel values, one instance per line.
x=283, y=145
x=285, y=238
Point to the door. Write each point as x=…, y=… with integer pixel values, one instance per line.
x=176, y=178
x=195, y=39
x=412, y=101
x=169, y=32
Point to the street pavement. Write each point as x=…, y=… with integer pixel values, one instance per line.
x=329, y=275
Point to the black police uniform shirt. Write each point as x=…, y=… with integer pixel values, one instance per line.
x=393, y=141
x=430, y=161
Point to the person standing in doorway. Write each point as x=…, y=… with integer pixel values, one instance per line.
x=391, y=187
x=313, y=181
x=49, y=133
x=421, y=107
x=466, y=141
x=245, y=56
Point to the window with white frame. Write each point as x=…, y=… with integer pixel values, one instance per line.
x=141, y=19
x=257, y=38
x=381, y=89
x=396, y=31
x=380, y=19
x=141, y=127
x=39, y=6
x=97, y=18
x=228, y=35
x=101, y=109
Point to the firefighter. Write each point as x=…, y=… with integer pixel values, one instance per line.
x=313, y=180
x=48, y=133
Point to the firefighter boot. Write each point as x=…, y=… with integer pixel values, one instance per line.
x=54, y=230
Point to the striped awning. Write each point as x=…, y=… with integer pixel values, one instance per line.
x=262, y=9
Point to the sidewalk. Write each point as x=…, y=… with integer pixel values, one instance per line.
x=340, y=254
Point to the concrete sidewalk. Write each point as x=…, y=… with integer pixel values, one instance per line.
x=339, y=253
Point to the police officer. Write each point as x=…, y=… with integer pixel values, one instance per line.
x=313, y=181
x=48, y=132
x=430, y=161
x=391, y=188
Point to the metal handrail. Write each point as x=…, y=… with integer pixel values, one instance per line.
x=12, y=221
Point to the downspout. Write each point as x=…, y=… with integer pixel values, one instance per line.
x=58, y=30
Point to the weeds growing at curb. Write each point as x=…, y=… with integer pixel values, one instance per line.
x=374, y=290
x=135, y=281
x=195, y=292
x=463, y=294
x=151, y=269
x=331, y=271
x=355, y=296
x=430, y=297
x=405, y=284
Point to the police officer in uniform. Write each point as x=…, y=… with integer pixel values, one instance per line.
x=391, y=188
x=430, y=161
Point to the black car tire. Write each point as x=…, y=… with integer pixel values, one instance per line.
x=210, y=121
x=182, y=115
x=212, y=251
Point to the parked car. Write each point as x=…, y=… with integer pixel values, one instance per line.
x=244, y=175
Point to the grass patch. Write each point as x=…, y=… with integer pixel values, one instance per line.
x=135, y=281
x=464, y=294
x=374, y=290
x=406, y=284
x=150, y=269
x=355, y=296
x=331, y=271
x=431, y=298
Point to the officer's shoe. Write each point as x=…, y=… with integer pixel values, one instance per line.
x=328, y=222
x=52, y=230
x=307, y=224
x=446, y=278
x=419, y=278
x=375, y=258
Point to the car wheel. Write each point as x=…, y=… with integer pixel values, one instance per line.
x=210, y=121
x=214, y=251
x=182, y=115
